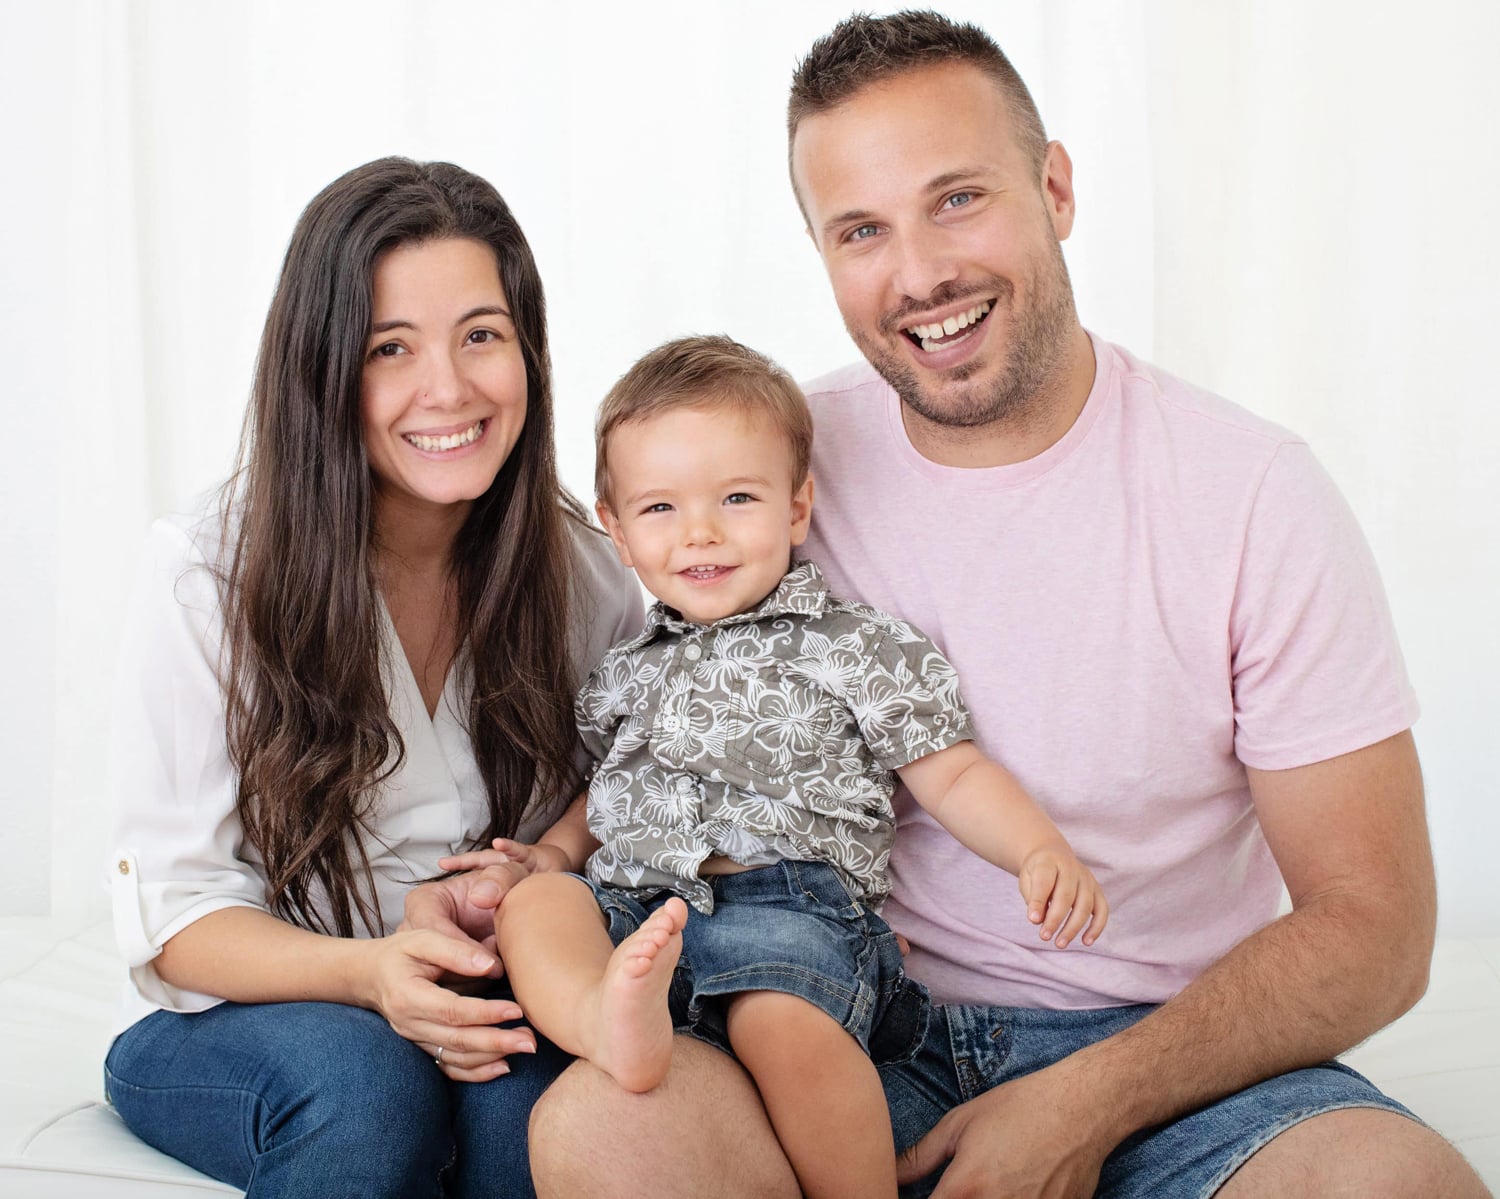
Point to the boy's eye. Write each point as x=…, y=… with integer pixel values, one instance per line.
x=740, y=497
x=662, y=507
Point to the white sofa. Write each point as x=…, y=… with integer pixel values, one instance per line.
x=59, y=982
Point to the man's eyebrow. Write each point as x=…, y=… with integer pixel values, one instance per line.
x=480, y=310
x=854, y=216
x=948, y=178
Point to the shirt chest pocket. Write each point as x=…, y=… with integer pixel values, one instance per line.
x=779, y=722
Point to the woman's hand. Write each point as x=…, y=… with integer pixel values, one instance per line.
x=1062, y=896
x=463, y=907
x=402, y=982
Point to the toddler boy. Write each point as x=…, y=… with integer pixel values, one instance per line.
x=748, y=744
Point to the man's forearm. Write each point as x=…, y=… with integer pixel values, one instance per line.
x=1306, y=988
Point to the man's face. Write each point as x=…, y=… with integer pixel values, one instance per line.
x=941, y=239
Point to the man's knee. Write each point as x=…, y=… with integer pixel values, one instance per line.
x=1366, y=1152
x=707, y=1134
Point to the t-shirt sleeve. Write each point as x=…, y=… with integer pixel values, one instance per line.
x=1315, y=664
x=177, y=834
x=906, y=699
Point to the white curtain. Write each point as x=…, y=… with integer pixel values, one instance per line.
x=1289, y=203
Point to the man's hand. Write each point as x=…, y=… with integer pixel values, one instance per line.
x=1062, y=896
x=1034, y=1138
x=463, y=907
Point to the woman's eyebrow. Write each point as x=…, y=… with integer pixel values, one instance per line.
x=402, y=323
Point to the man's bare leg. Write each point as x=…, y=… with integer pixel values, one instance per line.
x=1356, y=1153
x=598, y=1001
x=822, y=1093
x=702, y=1134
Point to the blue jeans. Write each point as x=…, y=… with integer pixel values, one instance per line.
x=969, y=1048
x=325, y=1100
x=790, y=927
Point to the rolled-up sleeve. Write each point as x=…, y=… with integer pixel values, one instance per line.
x=177, y=835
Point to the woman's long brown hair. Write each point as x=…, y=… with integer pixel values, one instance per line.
x=309, y=727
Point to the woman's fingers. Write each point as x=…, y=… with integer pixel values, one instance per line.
x=469, y=1047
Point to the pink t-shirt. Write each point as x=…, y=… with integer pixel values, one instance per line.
x=1173, y=590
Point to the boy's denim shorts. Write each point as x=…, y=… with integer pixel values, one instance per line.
x=970, y=1048
x=789, y=927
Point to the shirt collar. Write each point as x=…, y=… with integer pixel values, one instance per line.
x=801, y=592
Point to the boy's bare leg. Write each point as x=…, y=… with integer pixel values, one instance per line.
x=598, y=1001
x=836, y=1133
x=709, y=1139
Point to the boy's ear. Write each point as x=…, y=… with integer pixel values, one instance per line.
x=802, y=501
x=611, y=525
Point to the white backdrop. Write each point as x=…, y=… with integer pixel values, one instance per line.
x=1292, y=204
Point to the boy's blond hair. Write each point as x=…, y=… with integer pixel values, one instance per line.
x=703, y=372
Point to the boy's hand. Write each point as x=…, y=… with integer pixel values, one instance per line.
x=530, y=858
x=1062, y=896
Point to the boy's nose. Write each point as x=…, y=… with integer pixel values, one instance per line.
x=703, y=531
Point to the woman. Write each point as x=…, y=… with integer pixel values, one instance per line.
x=359, y=659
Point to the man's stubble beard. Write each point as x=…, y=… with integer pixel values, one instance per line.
x=1035, y=357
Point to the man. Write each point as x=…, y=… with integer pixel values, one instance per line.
x=1168, y=628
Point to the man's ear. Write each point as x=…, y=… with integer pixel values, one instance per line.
x=1057, y=188
x=802, y=502
x=611, y=524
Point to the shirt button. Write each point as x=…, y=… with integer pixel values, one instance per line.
x=692, y=651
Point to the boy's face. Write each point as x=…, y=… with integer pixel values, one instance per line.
x=703, y=507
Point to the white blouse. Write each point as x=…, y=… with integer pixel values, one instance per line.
x=180, y=852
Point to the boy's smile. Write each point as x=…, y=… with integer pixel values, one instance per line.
x=703, y=507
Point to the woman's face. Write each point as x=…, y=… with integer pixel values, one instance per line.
x=443, y=393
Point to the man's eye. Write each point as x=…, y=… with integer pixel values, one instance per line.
x=959, y=199
x=863, y=232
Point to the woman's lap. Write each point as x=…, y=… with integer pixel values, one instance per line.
x=322, y=1099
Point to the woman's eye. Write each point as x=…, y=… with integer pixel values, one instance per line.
x=389, y=350
x=480, y=336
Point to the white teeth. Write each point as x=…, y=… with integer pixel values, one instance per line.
x=449, y=441
x=950, y=326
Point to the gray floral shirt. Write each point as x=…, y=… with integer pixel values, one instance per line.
x=768, y=735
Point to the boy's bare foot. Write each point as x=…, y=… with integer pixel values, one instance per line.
x=632, y=1029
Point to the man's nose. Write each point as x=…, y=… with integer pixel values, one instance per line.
x=926, y=258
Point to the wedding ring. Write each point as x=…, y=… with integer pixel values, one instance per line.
x=439, y=1058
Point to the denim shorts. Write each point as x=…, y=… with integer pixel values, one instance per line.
x=789, y=927
x=971, y=1048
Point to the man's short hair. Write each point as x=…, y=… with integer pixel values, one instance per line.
x=704, y=372
x=861, y=50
